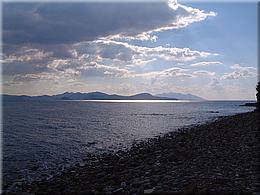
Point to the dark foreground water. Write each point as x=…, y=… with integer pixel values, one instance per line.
x=41, y=138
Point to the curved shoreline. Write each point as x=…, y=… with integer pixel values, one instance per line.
x=220, y=156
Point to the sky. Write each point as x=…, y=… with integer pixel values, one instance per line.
x=206, y=49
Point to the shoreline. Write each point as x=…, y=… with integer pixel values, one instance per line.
x=218, y=156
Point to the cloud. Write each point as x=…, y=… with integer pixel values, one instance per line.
x=101, y=58
x=24, y=77
x=39, y=40
x=26, y=54
x=144, y=36
x=237, y=75
x=215, y=85
x=89, y=66
x=140, y=62
x=206, y=63
x=167, y=73
x=104, y=70
x=63, y=23
x=84, y=66
x=126, y=52
x=203, y=73
x=70, y=42
x=239, y=67
x=19, y=78
x=240, y=72
x=24, y=68
x=184, y=16
x=26, y=60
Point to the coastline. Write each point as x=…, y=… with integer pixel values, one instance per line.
x=220, y=156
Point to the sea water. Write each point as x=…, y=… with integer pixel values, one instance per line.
x=42, y=138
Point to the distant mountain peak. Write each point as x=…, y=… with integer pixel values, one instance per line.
x=143, y=94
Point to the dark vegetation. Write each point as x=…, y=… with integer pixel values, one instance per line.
x=258, y=97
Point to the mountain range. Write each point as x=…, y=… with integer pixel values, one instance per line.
x=93, y=96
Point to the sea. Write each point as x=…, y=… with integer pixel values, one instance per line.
x=41, y=138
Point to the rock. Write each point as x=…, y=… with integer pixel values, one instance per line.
x=108, y=189
x=191, y=189
x=149, y=191
x=136, y=183
x=84, y=192
x=82, y=164
x=203, y=191
x=118, y=190
x=34, y=168
x=101, y=174
x=123, y=184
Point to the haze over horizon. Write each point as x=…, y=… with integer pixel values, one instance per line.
x=205, y=49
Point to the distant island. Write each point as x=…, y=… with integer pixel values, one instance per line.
x=181, y=96
x=100, y=96
x=250, y=104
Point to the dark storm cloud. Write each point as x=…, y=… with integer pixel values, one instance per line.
x=61, y=23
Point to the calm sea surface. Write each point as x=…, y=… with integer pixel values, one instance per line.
x=40, y=138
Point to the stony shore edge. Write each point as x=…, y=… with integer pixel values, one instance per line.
x=213, y=158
